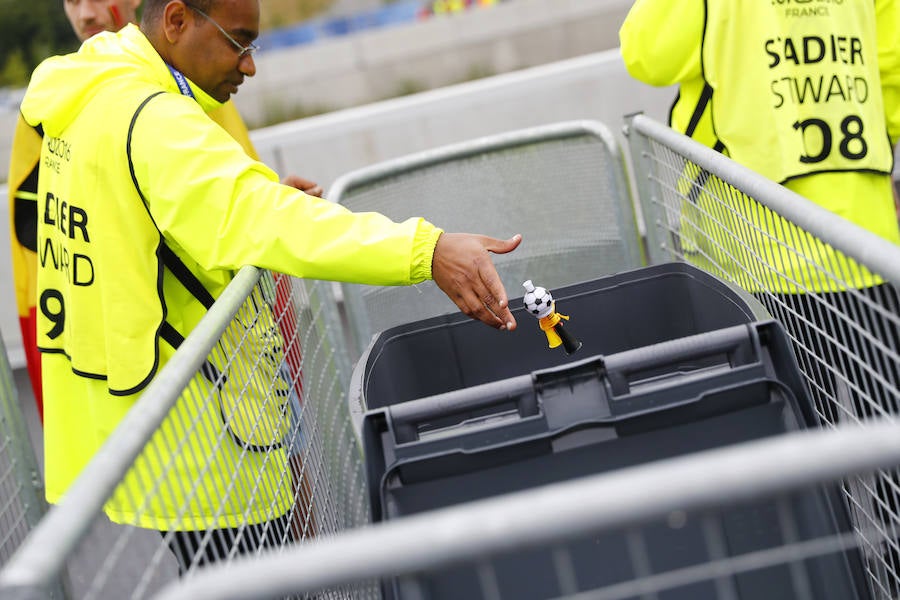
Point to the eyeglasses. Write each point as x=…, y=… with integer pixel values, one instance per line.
x=248, y=50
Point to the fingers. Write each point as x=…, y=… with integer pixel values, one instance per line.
x=478, y=303
x=463, y=269
x=493, y=297
x=502, y=246
x=481, y=301
x=306, y=186
x=314, y=190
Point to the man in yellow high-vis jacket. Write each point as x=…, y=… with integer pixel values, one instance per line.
x=146, y=207
x=87, y=18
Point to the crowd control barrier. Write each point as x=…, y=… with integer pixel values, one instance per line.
x=22, y=502
x=281, y=346
x=256, y=397
x=699, y=207
x=703, y=501
x=832, y=285
x=562, y=186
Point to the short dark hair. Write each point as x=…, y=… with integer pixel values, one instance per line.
x=153, y=9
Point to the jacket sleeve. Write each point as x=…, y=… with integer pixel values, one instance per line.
x=660, y=40
x=25, y=157
x=887, y=18
x=226, y=210
x=22, y=179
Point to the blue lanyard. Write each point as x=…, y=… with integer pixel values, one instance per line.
x=181, y=81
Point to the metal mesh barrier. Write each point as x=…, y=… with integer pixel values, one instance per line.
x=561, y=186
x=732, y=523
x=21, y=483
x=718, y=524
x=269, y=363
x=249, y=418
x=831, y=284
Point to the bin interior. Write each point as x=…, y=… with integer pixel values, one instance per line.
x=603, y=559
x=611, y=314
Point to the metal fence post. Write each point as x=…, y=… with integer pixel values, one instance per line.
x=22, y=504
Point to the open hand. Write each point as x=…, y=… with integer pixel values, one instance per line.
x=463, y=269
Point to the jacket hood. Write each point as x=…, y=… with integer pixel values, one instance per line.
x=62, y=86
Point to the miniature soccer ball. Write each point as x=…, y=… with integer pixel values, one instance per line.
x=538, y=301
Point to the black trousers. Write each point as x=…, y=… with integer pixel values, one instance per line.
x=198, y=548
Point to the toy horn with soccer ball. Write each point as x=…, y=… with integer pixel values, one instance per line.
x=539, y=302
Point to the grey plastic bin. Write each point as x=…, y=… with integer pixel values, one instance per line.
x=673, y=362
x=618, y=312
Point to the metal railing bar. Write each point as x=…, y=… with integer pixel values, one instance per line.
x=66, y=524
x=869, y=249
x=554, y=512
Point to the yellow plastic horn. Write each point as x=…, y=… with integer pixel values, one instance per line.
x=548, y=326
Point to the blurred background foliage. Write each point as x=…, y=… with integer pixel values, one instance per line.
x=279, y=13
x=29, y=32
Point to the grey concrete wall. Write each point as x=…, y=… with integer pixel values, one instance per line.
x=594, y=86
x=377, y=64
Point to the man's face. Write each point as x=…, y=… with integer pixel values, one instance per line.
x=208, y=57
x=90, y=17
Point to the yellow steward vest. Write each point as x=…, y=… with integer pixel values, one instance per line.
x=795, y=87
x=114, y=301
x=791, y=90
